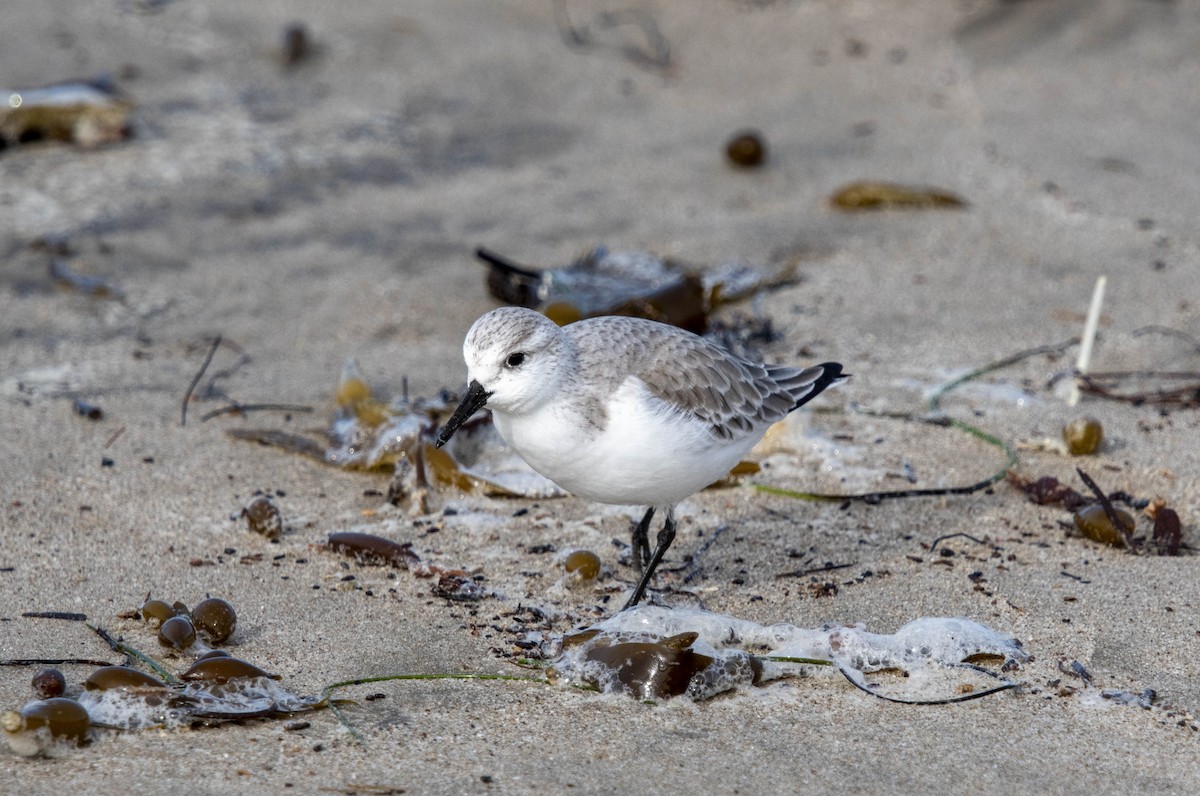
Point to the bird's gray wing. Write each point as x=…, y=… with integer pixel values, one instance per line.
x=731, y=395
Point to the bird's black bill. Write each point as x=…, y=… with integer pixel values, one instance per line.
x=475, y=398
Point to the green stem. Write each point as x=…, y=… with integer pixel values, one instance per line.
x=463, y=676
x=125, y=649
x=789, y=659
x=791, y=493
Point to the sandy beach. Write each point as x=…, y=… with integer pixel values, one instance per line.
x=323, y=209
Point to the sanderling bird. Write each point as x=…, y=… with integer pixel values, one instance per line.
x=624, y=410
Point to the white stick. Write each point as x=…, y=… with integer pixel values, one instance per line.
x=1089, y=337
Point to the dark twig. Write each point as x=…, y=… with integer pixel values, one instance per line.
x=242, y=359
x=114, y=644
x=800, y=573
x=241, y=409
x=268, y=712
x=875, y=498
x=53, y=662
x=941, y=539
x=187, y=397
x=70, y=617
x=1114, y=375
x=1006, y=684
x=1186, y=396
x=1168, y=331
x=131, y=653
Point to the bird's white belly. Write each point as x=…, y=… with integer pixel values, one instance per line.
x=640, y=458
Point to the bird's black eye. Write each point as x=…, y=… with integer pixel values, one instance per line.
x=515, y=360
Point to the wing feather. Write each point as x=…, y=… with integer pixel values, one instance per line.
x=731, y=395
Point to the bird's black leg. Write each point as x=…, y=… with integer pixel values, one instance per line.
x=640, y=541
x=665, y=537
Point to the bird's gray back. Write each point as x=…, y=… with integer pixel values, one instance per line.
x=732, y=395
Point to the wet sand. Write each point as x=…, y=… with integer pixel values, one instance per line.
x=327, y=211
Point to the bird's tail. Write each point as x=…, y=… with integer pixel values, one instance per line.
x=804, y=385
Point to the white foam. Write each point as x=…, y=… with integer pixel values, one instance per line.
x=929, y=651
x=28, y=743
x=178, y=707
x=132, y=709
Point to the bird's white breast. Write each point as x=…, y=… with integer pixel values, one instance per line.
x=644, y=454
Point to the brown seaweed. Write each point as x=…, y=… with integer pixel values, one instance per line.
x=372, y=434
x=375, y=549
x=88, y=114
x=263, y=517
x=1047, y=491
x=155, y=612
x=632, y=283
x=1168, y=531
x=1100, y=520
x=647, y=667
x=459, y=587
x=876, y=195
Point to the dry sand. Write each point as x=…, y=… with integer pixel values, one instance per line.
x=330, y=211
